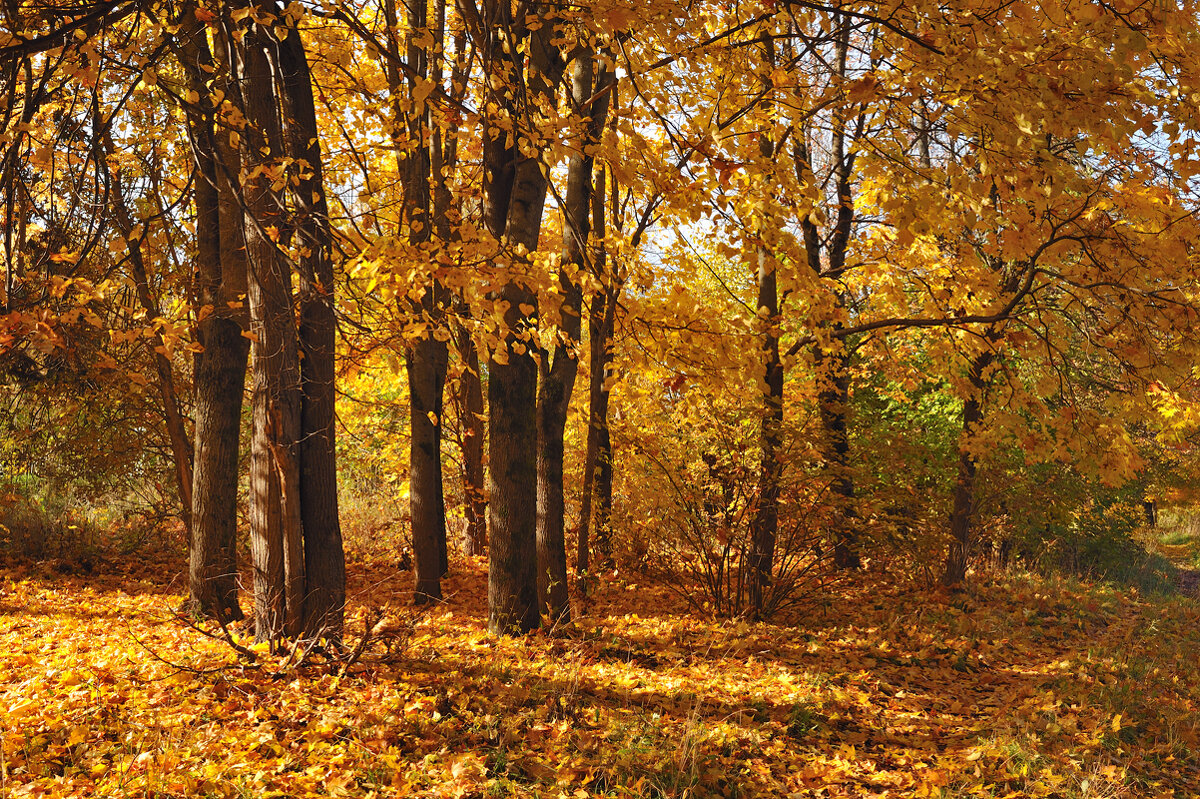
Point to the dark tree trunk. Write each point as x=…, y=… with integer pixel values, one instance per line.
x=324, y=557
x=964, y=484
x=835, y=399
x=418, y=151
x=554, y=398
x=559, y=372
x=512, y=483
x=426, y=368
x=515, y=194
x=764, y=527
x=220, y=378
x=832, y=367
x=591, y=452
x=220, y=368
x=596, y=503
x=275, y=533
x=470, y=390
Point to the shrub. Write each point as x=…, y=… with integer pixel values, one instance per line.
x=701, y=544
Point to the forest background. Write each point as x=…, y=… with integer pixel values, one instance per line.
x=762, y=302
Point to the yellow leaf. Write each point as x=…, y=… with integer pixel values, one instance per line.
x=421, y=91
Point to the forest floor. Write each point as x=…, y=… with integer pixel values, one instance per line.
x=1019, y=686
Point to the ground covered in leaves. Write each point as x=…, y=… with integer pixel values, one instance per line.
x=1021, y=686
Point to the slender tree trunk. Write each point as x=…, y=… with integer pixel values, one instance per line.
x=833, y=367
x=835, y=400
x=220, y=368
x=595, y=385
x=558, y=375
x=276, y=536
x=425, y=359
x=426, y=367
x=472, y=414
x=596, y=501
x=324, y=557
x=764, y=527
x=596, y=505
x=220, y=378
x=964, y=484
x=554, y=397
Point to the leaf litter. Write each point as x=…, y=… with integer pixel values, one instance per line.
x=1020, y=686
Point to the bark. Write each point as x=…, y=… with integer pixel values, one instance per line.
x=964, y=484
x=593, y=511
x=554, y=399
x=512, y=488
x=471, y=418
x=220, y=379
x=764, y=527
x=324, y=557
x=834, y=399
x=220, y=368
x=425, y=359
x=515, y=194
x=558, y=372
x=426, y=368
x=275, y=516
x=596, y=504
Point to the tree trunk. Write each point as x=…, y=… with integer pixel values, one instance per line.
x=276, y=536
x=964, y=484
x=558, y=375
x=835, y=400
x=220, y=368
x=472, y=414
x=324, y=557
x=426, y=368
x=515, y=194
x=764, y=527
x=426, y=358
x=833, y=367
x=596, y=504
x=554, y=399
x=220, y=379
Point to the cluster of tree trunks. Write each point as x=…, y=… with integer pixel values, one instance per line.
x=244, y=228
x=252, y=316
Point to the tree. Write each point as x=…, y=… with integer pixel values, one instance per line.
x=519, y=93
x=295, y=537
x=589, y=99
x=220, y=366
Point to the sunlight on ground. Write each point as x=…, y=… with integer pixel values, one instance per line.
x=1020, y=687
